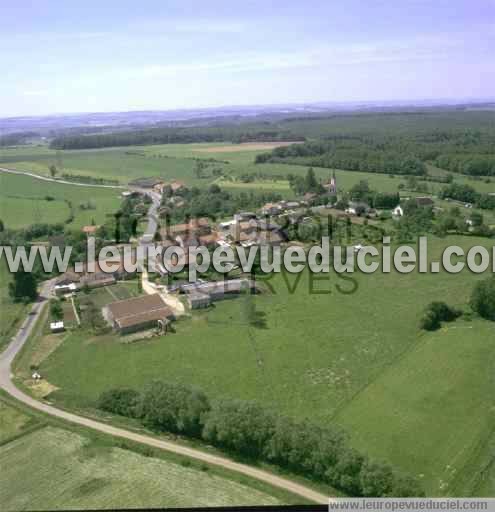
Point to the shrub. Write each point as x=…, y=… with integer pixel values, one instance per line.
x=436, y=313
x=483, y=299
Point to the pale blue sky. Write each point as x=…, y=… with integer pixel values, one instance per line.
x=120, y=55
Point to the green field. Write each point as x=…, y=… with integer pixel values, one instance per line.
x=23, y=202
x=177, y=161
x=315, y=360
x=13, y=422
x=121, y=164
x=89, y=475
x=10, y=314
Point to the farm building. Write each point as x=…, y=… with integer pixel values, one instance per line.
x=137, y=314
x=64, y=289
x=200, y=295
x=57, y=327
x=198, y=300
x=424, y=202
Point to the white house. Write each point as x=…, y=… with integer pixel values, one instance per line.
x=398, y=211
x=63, y=289
x=57, y=327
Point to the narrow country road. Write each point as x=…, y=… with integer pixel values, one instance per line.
x=6, y=383
x=54, y=180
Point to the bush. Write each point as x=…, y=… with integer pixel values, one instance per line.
x=483, y=299
x=436, y=313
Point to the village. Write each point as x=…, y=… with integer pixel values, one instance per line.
x=138, y=305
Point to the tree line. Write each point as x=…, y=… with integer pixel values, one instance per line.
x=248, y=429
x=465, y=151
x=467, y=194
x=173, y=135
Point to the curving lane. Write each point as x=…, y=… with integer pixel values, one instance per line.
x=6, y=383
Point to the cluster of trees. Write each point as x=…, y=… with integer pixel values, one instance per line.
x=353, y=154
x=363, y=193
x=436, y=313
x=482, y=302
x=81, y=178
x=23, y=287
x=174, y=135
x=468, y=194
x=15, y=139
x=472, y=165
x=248, y=429
x=56, y=311
x=213, y=202
x=305, y=184
x=483, y=299
x=122, y=225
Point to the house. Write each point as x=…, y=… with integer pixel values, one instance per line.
x=57, y=327
x=199, y=226
x=97, y=280
x=89, y=230
x=357, y=208
x=271, y=209
x=67, y=278
x=398, y=211
x=309, y=197
x=138, y=313
x=291, y=205
x=424, y=202
x=64, y=289
x=216, y=290
x=177, y=185
x=210, y=240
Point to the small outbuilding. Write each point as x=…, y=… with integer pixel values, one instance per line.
x=57, y=327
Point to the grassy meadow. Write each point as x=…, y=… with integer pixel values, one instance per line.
x=379, y=377
x=10, y=314
x=23, y=201
x=178, y=161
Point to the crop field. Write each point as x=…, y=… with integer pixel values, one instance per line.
x=387, y=383
x=88, y=475
x=13, y=422
x=120, y=164
x=178, y=161
x=25, y=200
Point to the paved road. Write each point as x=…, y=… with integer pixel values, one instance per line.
x=53, y=180
x=6, y=384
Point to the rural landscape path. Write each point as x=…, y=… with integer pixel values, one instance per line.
x=56, y=180
x=7, y=384
x=6, y=380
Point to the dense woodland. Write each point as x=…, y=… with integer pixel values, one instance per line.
x=181, y=135
x=468, y=152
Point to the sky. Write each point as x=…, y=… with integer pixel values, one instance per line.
x=101, y=56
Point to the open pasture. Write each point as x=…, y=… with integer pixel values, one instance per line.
x=313, y=359
x=25, y=200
